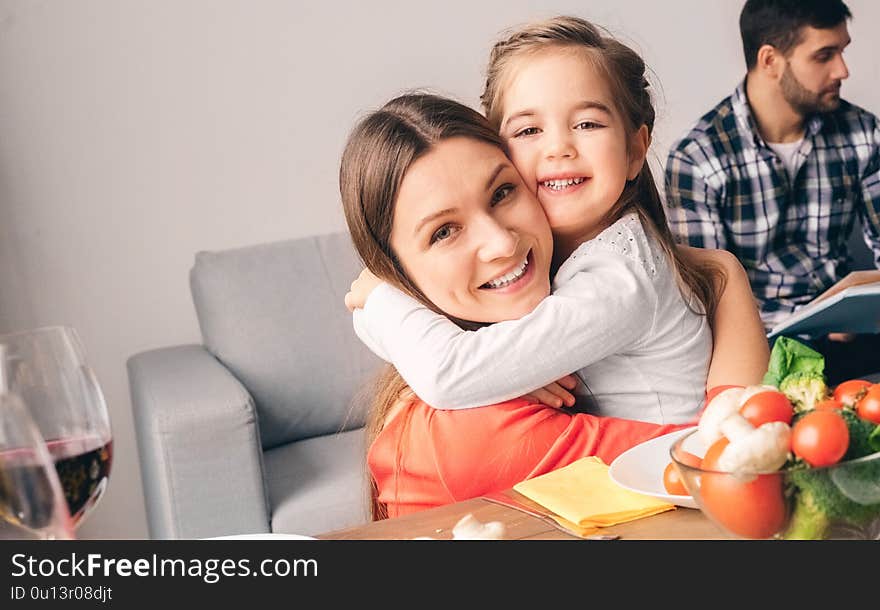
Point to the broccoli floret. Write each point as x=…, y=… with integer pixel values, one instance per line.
x=804, y=390
x=863, y=435
x=848, y=495
x=809, y=519
x=820, y=501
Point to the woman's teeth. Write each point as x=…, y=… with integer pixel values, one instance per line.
x=508, y=278
x=558, y=185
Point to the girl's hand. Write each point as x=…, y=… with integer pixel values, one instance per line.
x=361, y=289
x=556, y=394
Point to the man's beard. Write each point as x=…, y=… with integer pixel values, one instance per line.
x=804, y=101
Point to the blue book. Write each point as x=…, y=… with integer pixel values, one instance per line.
x=853, y=309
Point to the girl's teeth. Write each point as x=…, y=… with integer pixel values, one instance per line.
x=506, y=279
x=558, y=185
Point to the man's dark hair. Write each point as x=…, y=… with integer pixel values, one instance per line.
x=779, y=23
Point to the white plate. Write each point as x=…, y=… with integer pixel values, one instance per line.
x=262, y=537
x=640, y=469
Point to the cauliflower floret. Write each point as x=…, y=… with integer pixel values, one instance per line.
x=752, y=450
x=718, y=409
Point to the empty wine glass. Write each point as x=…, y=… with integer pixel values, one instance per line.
x=32, y=504
x=47, y=368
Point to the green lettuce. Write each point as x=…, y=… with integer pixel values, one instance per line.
x=791, y=357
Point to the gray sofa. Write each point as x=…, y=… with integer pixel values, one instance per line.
x=260, y=428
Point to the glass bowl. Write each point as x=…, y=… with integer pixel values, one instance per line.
x=780, y=504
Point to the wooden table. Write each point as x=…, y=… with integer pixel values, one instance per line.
x=679, y=524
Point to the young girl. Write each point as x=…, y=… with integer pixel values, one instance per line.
x=629, y=311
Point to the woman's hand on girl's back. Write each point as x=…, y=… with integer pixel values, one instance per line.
x=360, y=289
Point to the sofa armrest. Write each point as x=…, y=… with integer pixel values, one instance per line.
x=199, y=443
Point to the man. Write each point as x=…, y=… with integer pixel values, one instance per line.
x=779, y=172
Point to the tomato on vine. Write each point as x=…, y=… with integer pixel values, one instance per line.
x=672, y=481
x=750, y=507
x=829, y=404
x=766, y=407
x=820, y=438
x=869, y=405
x=849, y=392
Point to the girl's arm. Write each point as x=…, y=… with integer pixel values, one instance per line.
x=605, y=306
x=740, y=353
x=555, y=394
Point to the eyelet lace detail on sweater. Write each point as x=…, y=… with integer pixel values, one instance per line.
x=625, y=237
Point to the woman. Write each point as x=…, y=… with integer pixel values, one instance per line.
x=417, y=159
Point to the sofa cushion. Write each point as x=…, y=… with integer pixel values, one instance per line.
x=274, y=315
x=319, y=484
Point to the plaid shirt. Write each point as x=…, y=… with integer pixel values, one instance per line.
x=725, y=188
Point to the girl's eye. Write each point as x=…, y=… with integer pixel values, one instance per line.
x=444, y=232
x=528, y=131
x=502, y=193
x=587, y=125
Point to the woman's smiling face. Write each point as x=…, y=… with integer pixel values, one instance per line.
x=470, y=235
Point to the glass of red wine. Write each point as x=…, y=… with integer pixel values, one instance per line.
x=32, y=504
x=47, y=368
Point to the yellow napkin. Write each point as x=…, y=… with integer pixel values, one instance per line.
x=583, y=532
x=584, y=495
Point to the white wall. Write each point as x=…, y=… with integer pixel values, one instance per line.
x=135, y=133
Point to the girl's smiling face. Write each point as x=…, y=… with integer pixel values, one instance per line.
x=567, y=139
x=469, y=234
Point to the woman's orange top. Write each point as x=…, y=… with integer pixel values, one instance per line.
x=426, y=457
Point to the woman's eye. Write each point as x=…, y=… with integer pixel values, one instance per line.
x=502, y=193
x=444, y=232
x=528, y=131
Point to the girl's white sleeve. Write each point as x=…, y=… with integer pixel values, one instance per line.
x=361, y=328
x=605, y=307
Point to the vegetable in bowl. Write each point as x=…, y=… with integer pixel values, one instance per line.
x=799, y=373
x=787, y=459
x=847, y=493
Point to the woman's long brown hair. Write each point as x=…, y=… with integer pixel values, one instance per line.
x=378, y=153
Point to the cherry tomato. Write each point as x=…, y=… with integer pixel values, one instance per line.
x=820, y=438
x=767, y=406
x=750, y=508
x=869, y=406
x=710, y=458
x=829, y=404
x=672, y=480
x=849, y=392
x=690, y=459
